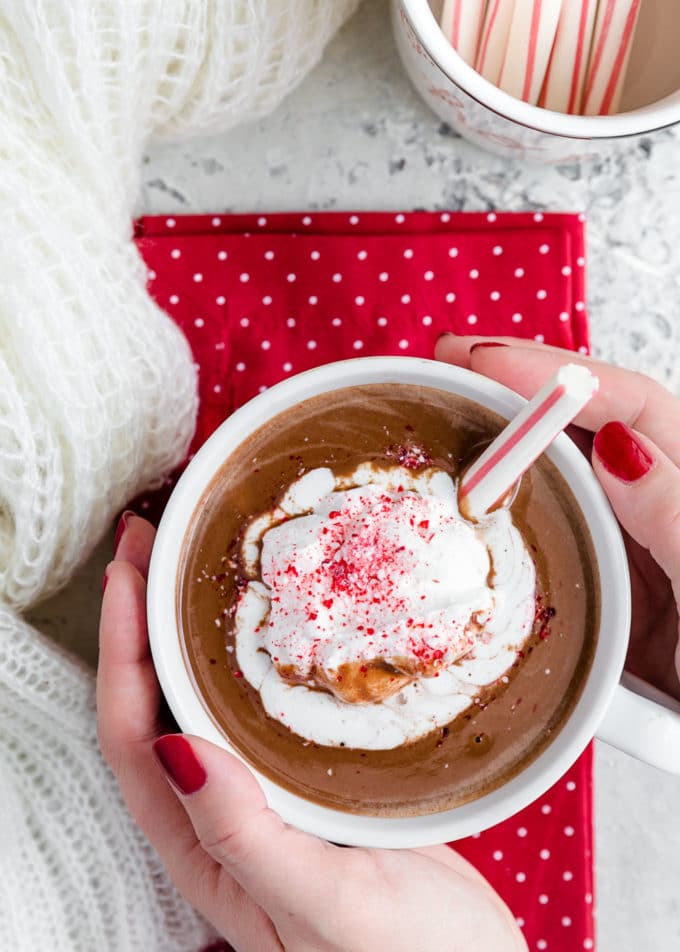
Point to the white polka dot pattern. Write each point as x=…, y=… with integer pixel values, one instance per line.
x=361, y=284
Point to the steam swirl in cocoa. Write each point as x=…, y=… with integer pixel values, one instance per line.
x=356, y=638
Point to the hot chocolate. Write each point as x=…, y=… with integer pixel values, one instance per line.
x=353, y=635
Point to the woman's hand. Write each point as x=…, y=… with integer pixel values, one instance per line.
x=264, y=885
x=636, y=457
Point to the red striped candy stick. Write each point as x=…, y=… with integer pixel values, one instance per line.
x=503, y=462
x=494, y=39
x=530, y=42
x=612, y=42
x=566, y=76
x=461, y=22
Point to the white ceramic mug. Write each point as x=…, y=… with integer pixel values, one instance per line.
x=643, y=727
x=497, y=121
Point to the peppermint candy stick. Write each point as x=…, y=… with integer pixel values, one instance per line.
x=566, y=76
x=612, y=42
x=491, y=477
x=494, y=39
x=530, y=42
x=461, y=22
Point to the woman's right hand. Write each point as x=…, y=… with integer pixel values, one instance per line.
x=266, y=886
x=636, y=457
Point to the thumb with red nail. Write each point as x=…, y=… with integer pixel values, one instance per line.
x=643, y=486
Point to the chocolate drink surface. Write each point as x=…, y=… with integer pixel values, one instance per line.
x=501, y=725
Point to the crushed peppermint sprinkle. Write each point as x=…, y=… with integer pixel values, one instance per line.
x=543, y=615
x=358, y=573
x=411, y=457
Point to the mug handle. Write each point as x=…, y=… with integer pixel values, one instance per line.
x=644, y=722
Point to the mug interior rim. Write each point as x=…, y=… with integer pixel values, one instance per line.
x=531, y=781
x=645, y=119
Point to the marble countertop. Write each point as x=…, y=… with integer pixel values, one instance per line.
x=355, y=135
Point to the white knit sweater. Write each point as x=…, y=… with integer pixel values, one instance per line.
x=97, y=402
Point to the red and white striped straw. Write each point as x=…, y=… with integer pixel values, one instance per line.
x=490, y=478
x=566, y=76
x=530, y=42
x=612, y=42
x=494, y=39
x=461, y=22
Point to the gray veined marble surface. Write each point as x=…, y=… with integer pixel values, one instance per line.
x=355, y=135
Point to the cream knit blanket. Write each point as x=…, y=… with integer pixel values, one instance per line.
x=97, y=402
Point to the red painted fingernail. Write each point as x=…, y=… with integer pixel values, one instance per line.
x=178, y=760
x=487, y=343
x=121, y=527
x=621, y=453
x=105, y=581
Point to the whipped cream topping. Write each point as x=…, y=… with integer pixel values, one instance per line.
x=379, y=566
x=365, y=577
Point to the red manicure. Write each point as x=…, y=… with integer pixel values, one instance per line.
x=487, y=343
x=177, y=758
x=621, y=453
x=121, y=527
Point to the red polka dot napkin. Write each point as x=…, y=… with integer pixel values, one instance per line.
x=261, y=297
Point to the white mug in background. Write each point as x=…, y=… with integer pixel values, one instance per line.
x=491, y=118
x=648, y=727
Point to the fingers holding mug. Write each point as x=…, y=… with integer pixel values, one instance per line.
x=643, y=486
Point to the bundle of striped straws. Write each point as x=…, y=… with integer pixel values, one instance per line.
x=570, y=56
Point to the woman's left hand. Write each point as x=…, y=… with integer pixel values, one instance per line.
x=264, y=885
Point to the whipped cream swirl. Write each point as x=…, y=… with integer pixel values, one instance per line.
x=379, y=567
